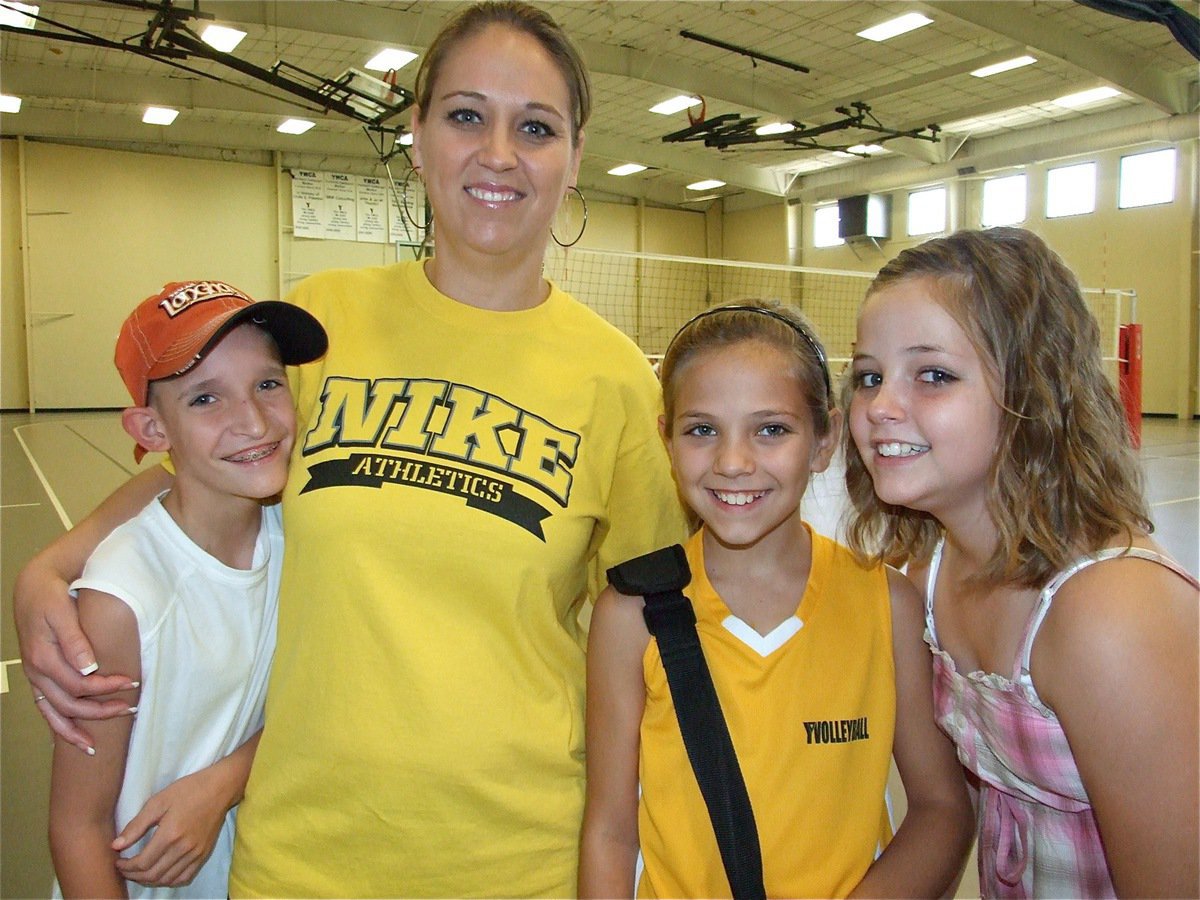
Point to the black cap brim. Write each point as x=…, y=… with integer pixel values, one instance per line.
x=297, y=333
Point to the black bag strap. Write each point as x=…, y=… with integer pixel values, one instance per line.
x=660, y=578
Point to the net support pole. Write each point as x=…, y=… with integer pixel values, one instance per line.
x=1130, y=379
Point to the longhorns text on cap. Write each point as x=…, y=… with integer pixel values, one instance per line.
x=195, y=292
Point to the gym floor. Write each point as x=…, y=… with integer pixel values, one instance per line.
x=55, y=467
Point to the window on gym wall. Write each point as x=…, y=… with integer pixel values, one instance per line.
x=927, y=211
x=1003, y=200
x=1147, y=179
x=1071, y=190
x=825, y=226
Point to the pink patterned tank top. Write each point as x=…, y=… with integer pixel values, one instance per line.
x=1037, y=833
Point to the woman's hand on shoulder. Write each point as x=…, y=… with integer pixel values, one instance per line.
x=57, y=657
x=1117, y=661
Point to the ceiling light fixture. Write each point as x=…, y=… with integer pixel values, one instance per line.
x=18, y=15
x=9, y=103
x=675, y=104
x=295, y=126
x=1009, y=64
x=406, y=139
x=627, y=169
x=222, y=38
x=893, y=27
x=1086, y=98
x=868, y=149
x=390, y=59
x=775, y=128
x=159, y=115
x=706, y=185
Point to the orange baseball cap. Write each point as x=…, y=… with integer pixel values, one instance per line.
x=172, y=330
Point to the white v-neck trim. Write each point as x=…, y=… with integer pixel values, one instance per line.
x=763, y=644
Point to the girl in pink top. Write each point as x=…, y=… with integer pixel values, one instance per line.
x=989, y=450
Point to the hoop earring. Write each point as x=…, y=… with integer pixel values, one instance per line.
x=405, y=214
x=582, y=228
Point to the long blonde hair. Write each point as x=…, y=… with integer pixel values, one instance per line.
x=1064, y=479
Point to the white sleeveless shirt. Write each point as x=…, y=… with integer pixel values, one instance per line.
x=207, y=636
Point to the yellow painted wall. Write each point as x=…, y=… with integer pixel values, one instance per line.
x=611, y=226
x=119, y=224
x=109, y=227
x=757, y=235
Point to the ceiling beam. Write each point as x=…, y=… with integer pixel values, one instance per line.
x=732, y=173
x=253, y=145
x=363, y=21
x=1106, y=131
x=873, y=95
x=33, y=80
x=100, y=127
x=656, y=69
x=1013, y=21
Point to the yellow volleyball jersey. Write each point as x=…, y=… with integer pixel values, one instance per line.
x=811, y=710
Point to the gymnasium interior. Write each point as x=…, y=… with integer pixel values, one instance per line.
x=781, y=149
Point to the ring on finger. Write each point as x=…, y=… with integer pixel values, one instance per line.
x=39, y=698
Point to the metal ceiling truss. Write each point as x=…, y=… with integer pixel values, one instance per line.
x=734, y=129
x=753, y=55
x=169, y=39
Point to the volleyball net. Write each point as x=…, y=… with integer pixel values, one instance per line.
x=649, y=296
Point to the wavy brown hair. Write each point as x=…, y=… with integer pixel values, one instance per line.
x=522, y=17
x=1064, y=480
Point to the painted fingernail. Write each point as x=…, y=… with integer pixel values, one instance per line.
x=134, y=684
x=90, y=751
x=89, y=669
x=132, y=710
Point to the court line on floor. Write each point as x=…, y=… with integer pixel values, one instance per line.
x=41, y=476
x=17, y=505
x=83, y=437
x=1179, y=500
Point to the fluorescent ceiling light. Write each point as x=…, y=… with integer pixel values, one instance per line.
x=18, y=15
x=9, y=103
x=627, y=169
x=295, y=126
x=869, y=149
x=775, y=128
x=406, y=139
x=159, y=115
x=675, y=104
x=842, y=154
x=996, y=68
x=893, y=27
x=219, y=37
x=390, y=59
x=706, y=185
x=1084, y=98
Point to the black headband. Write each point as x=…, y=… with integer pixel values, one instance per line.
x=813, y=345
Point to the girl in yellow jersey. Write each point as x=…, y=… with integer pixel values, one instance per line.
x=818, y=662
